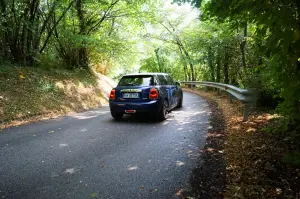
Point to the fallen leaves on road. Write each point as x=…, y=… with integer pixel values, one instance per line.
x=93, y=195
x=102, y=164
x=253, y=158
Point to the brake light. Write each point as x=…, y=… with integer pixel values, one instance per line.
x=112, y=94
x=153, y=93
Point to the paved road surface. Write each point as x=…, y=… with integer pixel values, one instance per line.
x=89, y=155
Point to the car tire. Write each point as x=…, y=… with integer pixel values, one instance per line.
x=163, y=113
x=116, y=116
x=180, y=103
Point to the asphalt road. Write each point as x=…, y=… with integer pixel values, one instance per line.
x=89, y=155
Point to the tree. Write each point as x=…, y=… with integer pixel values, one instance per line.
x=26, y=28
x=274, y=21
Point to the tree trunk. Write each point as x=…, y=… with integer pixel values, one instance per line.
x=160, y=66
x=211, y=65
x=226, y=67
x=82, y=52
x=243, y=45
x=190, y=63
x=186, y=73
x=181, y=46
x=218, y=78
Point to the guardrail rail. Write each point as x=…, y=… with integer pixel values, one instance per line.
x=247, y=96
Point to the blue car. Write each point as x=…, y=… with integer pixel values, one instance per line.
x=150, y=93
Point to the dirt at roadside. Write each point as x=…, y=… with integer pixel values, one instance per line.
x=241, y=159
x=33, y=94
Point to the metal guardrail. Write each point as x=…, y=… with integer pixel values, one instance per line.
x=247, y=96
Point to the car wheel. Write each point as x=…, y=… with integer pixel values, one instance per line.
x=163, y=113
x=179, y=105
x=116, y=116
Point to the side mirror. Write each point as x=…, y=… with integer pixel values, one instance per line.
x=177, y=83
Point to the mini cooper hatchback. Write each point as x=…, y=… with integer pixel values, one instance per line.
x=149, y=93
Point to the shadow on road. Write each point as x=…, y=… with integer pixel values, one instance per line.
x=136, y=119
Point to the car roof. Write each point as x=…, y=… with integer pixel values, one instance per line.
x=141, y=74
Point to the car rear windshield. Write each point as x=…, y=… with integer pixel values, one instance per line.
x=136, y=80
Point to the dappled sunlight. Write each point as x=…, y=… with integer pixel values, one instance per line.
x=237, y=127
x=187, y=117
x=215, y=135
x=179, y=163
x=63, y=145
x=182, y=193
x=165, y=123
x=90, y=114
x=71, y=170
x=250, y=129
x=209, y=150
x=132, y=168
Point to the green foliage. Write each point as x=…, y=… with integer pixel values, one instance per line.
x=236, y=42
x=276, y=36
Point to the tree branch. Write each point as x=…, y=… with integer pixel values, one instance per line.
x=54, y=26
x=93, y=28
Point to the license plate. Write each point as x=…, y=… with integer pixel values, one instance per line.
x=130, y=95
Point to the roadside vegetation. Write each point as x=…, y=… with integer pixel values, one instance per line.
x=252, y=161
x=29, y=94
x=53, y=55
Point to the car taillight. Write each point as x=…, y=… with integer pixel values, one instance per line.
x=112, y=94
x=153, y=93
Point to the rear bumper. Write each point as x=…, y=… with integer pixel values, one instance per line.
x=140, y=107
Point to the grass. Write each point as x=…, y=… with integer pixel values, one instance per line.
x=28, y=94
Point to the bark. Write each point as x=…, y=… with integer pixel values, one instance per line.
x=298, y=21
x=226, y=66
x=112, y=27
x=95, y=27
x=218, y=78
x=50, y=32
x=180, y=45
x=243, y=45
x=187, y=75
x=4, y=37
x=24, y=24
x=211, y=65
x=160, y=66
x=82, y=52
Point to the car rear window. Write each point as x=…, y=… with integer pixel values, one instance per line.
x=136, y=80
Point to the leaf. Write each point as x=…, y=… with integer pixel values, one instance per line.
x=93, y=195
x=102, y=164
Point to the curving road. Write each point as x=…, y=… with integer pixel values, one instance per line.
x=89, y=155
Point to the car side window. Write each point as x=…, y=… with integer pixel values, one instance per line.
x=162, y=80
x=155, y=80
x=170, y=80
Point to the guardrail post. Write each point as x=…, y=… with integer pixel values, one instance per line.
x=230, y=98
x=246, y=112
x=218, y=91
